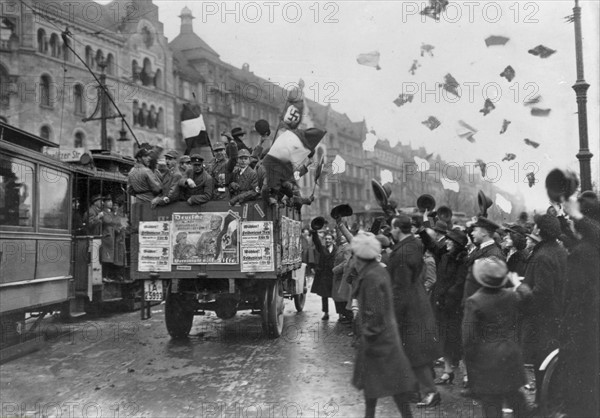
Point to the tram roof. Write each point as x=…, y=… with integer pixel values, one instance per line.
x=14, y=135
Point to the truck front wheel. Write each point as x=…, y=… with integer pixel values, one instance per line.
x=178, y=316
x=300, y=298
x=272, y=311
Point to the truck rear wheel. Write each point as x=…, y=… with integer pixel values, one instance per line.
x=178, y=316
x=300, y=298
x=272, y=310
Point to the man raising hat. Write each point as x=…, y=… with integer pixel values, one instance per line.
x=237, y=134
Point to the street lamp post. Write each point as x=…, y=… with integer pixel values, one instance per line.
x=584, y=155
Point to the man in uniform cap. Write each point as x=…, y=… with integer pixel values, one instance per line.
x=202, y=191
x=169, y=181
x=243, y=180
x=221, y=167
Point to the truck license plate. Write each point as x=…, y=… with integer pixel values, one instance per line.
x=153, y=290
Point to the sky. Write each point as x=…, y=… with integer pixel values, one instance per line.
x=319, y=42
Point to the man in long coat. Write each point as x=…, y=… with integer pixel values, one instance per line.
x=580, y=328
x=414, y=314
x=545, y=275
x=323, y=282
x=381, y=368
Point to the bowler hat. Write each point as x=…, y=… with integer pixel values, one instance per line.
x=486, y=224
x=341, y=211
x=237, y=132
x=317, y=223
x=458, y=237
x=425, y=202
x=196, y=159
x=490, y=272
x=262, y=127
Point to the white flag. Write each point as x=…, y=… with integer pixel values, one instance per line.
x=370, y=141
x=386, y=176
x=338, y=165
x=450, y=185
x=503, y=203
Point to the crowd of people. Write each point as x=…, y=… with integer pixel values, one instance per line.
x=481, y=299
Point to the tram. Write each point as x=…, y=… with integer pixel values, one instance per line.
x=50, y=262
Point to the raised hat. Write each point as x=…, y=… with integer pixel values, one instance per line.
x=341, y=211
x=262, y=127
x=243, y=153
x=425, y=202
x=561, y=184
x=490, y=272
x=317, y=223
x=217, y=146
x=196, y=158
x=237, y=132
x=486, y=224
x=484, y=203
x=380, y=193
x=458, y=237
x=365, y=245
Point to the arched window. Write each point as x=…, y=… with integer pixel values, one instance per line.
x=136, y=112
x=78, y=102
x=147, y=75
x=54, y=46
x=158, y=79
x=135, y=70
x=45, y=82
x=45, y=132
x=89, y=56
x=110, y=64
x=42, y=41
x=99, y=58
x=160, y=125
x=152, y=117
x=79, y=139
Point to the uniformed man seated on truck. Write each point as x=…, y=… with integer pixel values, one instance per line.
x=202, y=191
x=169, y=181
x=221, y=167
x=244, y=180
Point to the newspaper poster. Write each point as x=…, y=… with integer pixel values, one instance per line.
x=285, y=240
x=205, y=238
x=257, y=246
x=155, y=251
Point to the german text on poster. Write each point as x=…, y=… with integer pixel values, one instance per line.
x=257, y=246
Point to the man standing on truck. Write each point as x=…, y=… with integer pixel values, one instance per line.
x=204, y=185
x=244, y=181
x=141, y=180
x=221, y=167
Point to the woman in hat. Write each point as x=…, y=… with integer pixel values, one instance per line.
x=545, y=275
x=446, y=299
x=381, y=368
x=492, y=352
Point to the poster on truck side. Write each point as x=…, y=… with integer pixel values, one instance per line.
x=154, y=246
x=285, y=240
x=257, y=246
x=205, y=238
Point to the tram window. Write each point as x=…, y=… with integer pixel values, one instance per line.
x=16, y=192
x=54, y=199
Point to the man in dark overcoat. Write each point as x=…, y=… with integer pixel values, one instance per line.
x=381, y=368
x=323, y=282
x=545, y=275
x=244, y=180
x=492, y=351
x=414, y=314
x=580, y=328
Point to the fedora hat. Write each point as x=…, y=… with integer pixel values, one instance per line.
x=484, y=203
x=341, y=211
x=317, y=223
x=458, y=237
x=237, y=132
x=425, y=202
x=490, y=272
x=380, y=193
x=561, y=184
